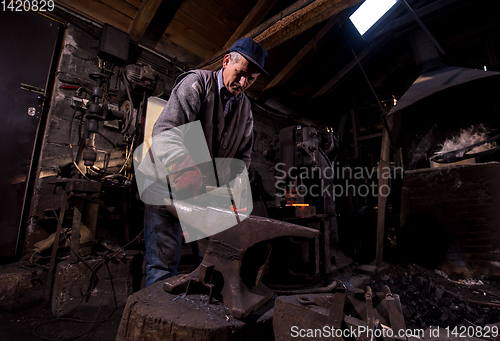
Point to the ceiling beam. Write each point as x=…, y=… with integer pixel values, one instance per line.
x=143, y=19
x=300, y=58
x=98, y=12
x=254, y=17
x=289, y=23
x=302, y=20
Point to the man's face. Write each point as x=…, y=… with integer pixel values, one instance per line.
x=238, y=76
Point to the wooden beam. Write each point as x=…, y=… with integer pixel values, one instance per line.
x=211, y=7
x=211, y=36
x=122, y=7
x=190, y=35
x=299, y=59
x=302, y=20
x=211, y=21
x=99, y=12
x=143, y=19
x=160, y=21
x=238, y=10
x=216, y=60
x=258, y=12
x=289, y=23
x=181, y=40
x=135, y=3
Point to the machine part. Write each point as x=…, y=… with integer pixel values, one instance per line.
x=225, y=251
x=89, y=153
x=145, y=78
x=92, y=117
x=113, y=44
x=129, y=118
x=301, y=166
x=99, y=77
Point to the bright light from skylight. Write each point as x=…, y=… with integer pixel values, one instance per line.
x=369, y=12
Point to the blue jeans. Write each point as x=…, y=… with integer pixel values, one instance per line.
x=163, y=238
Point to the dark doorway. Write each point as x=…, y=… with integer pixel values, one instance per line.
x=27, y=43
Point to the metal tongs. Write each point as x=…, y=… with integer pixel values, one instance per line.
x=461, y=154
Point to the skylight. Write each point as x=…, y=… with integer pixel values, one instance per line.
x=369, y=13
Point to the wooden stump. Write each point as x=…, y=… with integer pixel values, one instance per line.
x=153, y=314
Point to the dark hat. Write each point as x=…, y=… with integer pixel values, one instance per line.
x=252, y=51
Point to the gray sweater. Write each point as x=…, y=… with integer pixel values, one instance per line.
x=197, y=96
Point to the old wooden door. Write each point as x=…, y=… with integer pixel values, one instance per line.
x=27, y=43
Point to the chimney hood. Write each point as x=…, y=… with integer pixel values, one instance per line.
x=442, y=93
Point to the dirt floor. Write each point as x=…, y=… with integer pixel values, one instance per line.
x=37, y=323
x=429, y=297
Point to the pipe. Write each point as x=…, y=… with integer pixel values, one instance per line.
x=424, y=28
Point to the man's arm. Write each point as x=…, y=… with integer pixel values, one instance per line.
x=182, y=107
x=244, y=152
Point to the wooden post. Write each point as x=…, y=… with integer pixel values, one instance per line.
x=383, y=192
x=55, y=246
x=75, y=233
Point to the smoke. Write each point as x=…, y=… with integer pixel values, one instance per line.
x=421, y=147
x=431, y=143
x=465, y=138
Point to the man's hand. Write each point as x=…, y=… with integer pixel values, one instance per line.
x=189, y=184
x=186, y=177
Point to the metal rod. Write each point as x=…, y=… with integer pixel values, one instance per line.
x=329, y=288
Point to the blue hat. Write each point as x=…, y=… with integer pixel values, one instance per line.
x=252, y=51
